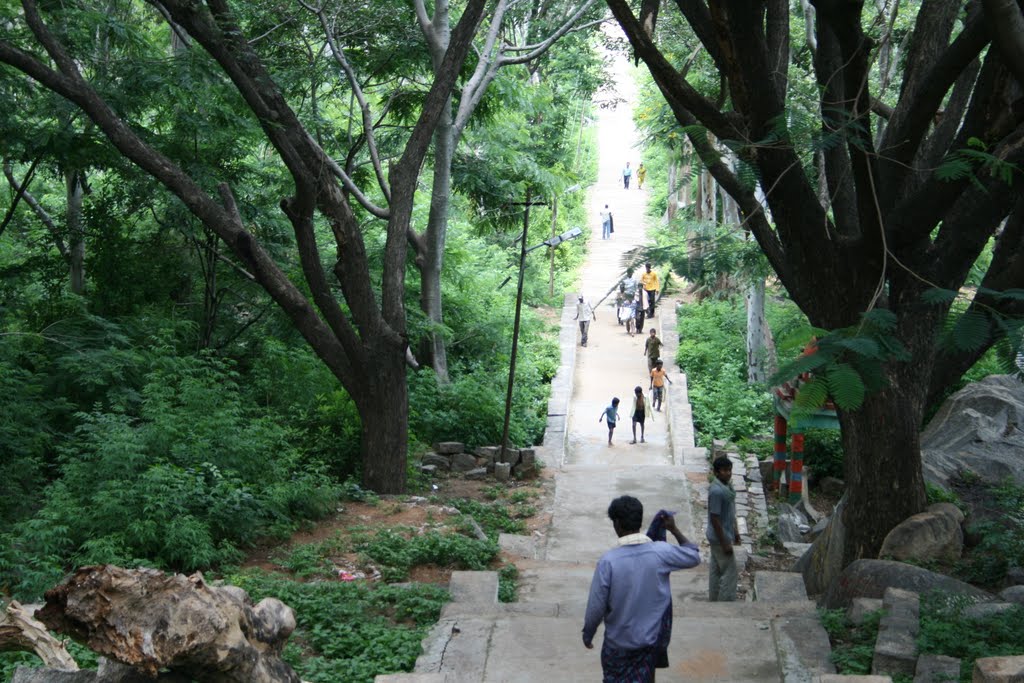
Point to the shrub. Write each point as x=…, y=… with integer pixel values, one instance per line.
x=944, y=627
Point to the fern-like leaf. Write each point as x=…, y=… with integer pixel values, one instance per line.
x=862, y=346
x=811, y=395
x=971, y=331
x=937, y=295
x=846, y=386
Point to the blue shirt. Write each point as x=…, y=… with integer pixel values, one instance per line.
x=722, y=502
x=611, y=414
x=631, y=591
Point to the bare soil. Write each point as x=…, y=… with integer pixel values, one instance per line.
x=416, y=512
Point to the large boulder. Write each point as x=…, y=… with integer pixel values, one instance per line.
x=929, y=535
x=823, y=562
x=870, y=578
x=977, y=429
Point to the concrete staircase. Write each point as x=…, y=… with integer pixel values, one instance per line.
x=776, y=638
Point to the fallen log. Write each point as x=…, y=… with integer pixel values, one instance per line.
x=20, y=632
x=150, y=621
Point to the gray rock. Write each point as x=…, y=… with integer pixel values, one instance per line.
x=527, y=457
x=429, y=470
x=449, y=447
x=1015, y=576
x=937, y=669
x=110, y=671
x=1013, y=594
x=998, y=670
x=463, y=462
x=977, y=429
x=797, y=550
x=754, y=476
x=896, y=644
x=510, y=456
x=861, y=608
x=25, y=675
x=931, y=535
x=988, y=609
x=476, y=473
x=790, y=521
x=830, y=486
x=488, y=452
x=870, y=579
x=817, y=530
x=808, y=511
x=502, y=471
x=718, y=447
x=764, y=468
x=948, y=509
x=822, y=564
x=439, y=461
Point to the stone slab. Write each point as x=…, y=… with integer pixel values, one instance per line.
x=802, y=648
x=998, y=670
x=449, y=447
x=860, y=608
x=937, y=669
x=838, y=678
x=779, y=587
x=518, y=545
x=412, y=678
x=474, y=587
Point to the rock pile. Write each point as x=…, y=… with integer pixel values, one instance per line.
x=483, y=461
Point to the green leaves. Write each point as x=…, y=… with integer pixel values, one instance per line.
x=846, y=364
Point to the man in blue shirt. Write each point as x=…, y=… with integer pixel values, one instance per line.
x=631, y=594
x=722, y=533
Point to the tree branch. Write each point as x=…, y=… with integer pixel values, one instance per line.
x=1006, y=23
x=543, y=46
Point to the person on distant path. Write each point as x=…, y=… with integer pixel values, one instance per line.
x=631, y=594
x=630, y=282
x=638, y=307
x=584, y=313
x=649, y=281
x=622, y=310
x=658, y=379
x=652, y=349
x=627, y=173
x=606, y=222
x=612, y=415
x=640, y=410
x=641, y=173
x=722, y=533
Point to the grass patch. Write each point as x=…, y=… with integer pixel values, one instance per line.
x=853, y=646
x=350, y=631
x=945, y=630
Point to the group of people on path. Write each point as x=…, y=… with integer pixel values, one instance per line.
x=640, y=404
x=631, y=591
x=634, y=302
x=641, y=175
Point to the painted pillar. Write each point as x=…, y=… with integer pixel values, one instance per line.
x=796, y=479
x=779, y=462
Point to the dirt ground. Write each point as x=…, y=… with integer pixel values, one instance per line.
x=417, y=511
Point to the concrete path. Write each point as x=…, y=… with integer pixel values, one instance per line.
x=538, y=638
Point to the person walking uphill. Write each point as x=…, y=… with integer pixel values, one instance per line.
x=631, y=594
x=722, y=533
x=584, y=313
x=641, y=175
x=627, y=173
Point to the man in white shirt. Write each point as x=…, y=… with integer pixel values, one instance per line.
x=584, y=313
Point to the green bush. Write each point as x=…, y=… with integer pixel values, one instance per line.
x=823, y=452
x=350, y=631
x=396, y=553
x=195, y=476
x=946, y=631
x=853, y=646
x=1002, y=538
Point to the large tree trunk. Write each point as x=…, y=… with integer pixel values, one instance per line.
x=76, y=234
x=884, y=482
x=384, y=413
x=432, y=261
x=758, y=335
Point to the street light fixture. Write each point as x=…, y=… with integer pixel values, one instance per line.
x=523, y=251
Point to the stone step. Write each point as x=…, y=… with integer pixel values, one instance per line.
x=521, y=648
x=687, y=607
x=474, y=587
x=779, y=586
